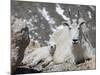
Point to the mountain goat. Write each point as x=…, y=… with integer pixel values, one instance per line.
x=71, y=44
x=40, y=54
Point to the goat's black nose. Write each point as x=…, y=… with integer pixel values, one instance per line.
x=75, y=40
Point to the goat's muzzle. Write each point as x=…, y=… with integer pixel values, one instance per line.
x=75, y=41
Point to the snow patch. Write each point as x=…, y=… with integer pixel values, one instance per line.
x=35, y=20
x=29, y=11
x=60, y=11
x=39, y=37
x=57, y=28
x=76, y=15
x=30, y=36
x=50, y=35
x=36, y=41
x=36, y=34
x=90, y=15
x=36, y=16
x=52, y=28
x=34, y=28
x=92, y=7
x=47, y=42
x=45, y=14
x=42, y=26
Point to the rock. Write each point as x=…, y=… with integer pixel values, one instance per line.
x=25, y=70
x=52, y=67
x=60, y=67
x=19, y=41
x=88, y=64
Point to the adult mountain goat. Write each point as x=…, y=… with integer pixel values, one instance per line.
x=71, y=44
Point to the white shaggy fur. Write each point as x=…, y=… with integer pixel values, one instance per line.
x=42, y=53
x=63, y=46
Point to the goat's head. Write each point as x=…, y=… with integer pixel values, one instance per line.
x=52, y=47
x=74, y=26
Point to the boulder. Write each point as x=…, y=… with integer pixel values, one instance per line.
x=19, y=41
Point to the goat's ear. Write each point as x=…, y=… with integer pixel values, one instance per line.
x=82, y=23
x=65, y=23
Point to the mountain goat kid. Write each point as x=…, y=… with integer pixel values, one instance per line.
x=40, y=54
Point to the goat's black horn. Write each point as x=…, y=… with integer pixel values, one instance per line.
x=78, y=16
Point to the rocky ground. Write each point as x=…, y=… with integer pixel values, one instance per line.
x=87, y=65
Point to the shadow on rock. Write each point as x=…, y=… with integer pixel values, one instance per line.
x=26, y=71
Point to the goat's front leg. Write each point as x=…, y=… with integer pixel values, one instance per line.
x=70, y=59
x=34, y=62
x=47, y=61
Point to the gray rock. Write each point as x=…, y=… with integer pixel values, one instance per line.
x=19, y=41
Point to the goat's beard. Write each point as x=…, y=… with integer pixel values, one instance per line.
x=77, y=44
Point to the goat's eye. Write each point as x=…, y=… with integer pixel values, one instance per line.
x=78, y=28
x=82, y=23
x=70, y=28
